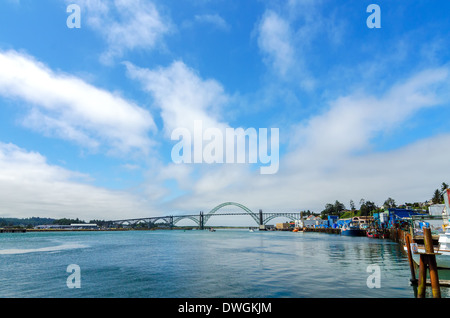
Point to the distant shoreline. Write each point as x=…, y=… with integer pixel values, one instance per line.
x=24, y=230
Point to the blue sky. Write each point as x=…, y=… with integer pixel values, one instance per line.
x=86, y=113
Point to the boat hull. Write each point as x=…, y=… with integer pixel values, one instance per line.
x=352, y=232
x=442, y=260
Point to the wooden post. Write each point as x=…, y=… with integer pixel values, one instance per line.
x=428, y=259
x=434, y=278
x=428, y=240
x=422, y=278
x=410, y=258
x=431, y=260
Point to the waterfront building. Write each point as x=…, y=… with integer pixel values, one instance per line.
x=67, y=227
x=437, y=209
x=282, y=226
x=310, y=221
x=363, y=221
x=84, y=226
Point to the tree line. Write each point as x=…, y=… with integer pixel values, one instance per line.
x=337, y=208
x=34, y=221
x=368, y=207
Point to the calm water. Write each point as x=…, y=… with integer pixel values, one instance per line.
x=201, y=264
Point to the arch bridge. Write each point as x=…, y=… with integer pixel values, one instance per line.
x=261, y=218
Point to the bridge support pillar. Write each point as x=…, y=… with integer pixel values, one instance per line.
x=262, y=227
x=201, y=221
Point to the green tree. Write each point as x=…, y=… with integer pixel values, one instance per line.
x=333, y=209
x=329, y=209
x=390, y=203
x=367, y=207
x=361, y=202
x=437, y=197
x=444, y=188
x=338, y=207
x=352, y=205
x=65, y=221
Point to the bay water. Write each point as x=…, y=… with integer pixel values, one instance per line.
x=227, y=263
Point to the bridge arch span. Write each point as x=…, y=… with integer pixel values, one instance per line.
x=188, y=217
x=243, y=207
x=292, y=218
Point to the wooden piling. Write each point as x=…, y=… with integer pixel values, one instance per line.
x=428, y=259
x=431, y=259
x=410, y=258
x=422, y=278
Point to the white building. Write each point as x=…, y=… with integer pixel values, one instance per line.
x=68, y=227
x=436, y=209
x=310, y=221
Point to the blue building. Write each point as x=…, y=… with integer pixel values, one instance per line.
x=399, y=215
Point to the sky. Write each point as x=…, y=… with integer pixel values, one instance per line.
x=88, y=110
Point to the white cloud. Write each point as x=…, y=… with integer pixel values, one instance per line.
x=293, y=34
x=126, y=25
x=190, y=103
x=182, y=95
x=66, y=107
x=29, y=186
x=352, y=121
x=213, y=19
x=275, y=41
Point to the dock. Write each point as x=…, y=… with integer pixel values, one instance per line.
x=442, y=283
x=12, y=230
x=396, y=235
x=322, y=230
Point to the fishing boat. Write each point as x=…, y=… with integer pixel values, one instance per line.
x=443, y=247
x=372, y=233
x=351, y=229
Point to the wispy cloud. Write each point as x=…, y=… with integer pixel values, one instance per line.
x=126, y=25
x=182, y=95
x=275, y=41
x=352, y=121
x=213, y=19
x=287, y=36
x=348, y=128
x=66, y=107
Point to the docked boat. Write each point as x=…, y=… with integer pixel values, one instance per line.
x=442, y=250
x=372, y=233
x=351, y=229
